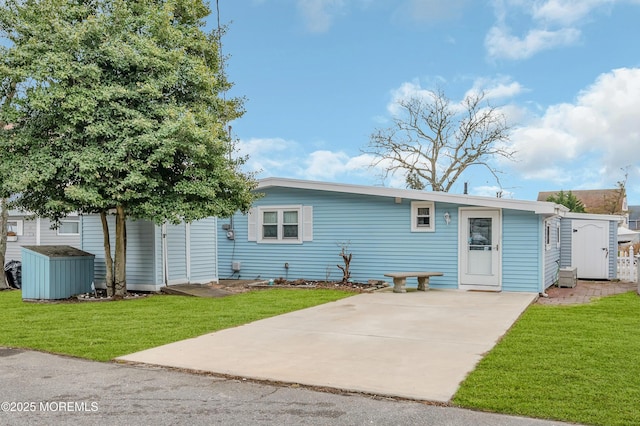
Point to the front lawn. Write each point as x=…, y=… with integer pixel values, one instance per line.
x=105, y=330
x=572, y=363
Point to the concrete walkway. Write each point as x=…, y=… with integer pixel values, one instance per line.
x=418, y=345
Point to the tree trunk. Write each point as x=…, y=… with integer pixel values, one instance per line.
x=120, y=279
x=107, y=254
x=4, y=217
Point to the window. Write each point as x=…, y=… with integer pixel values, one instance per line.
x=280, y=224
x=422, y=216
x=547, y=235
x=69, y=227
x=14, y=226
x=558, y=234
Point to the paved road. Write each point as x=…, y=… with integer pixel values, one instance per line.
x=62, y=390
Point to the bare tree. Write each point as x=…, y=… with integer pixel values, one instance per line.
x=433, y=141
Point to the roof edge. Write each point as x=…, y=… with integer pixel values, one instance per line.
x=538, y=207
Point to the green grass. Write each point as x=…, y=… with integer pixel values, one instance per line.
x=572, y=363
x=104, y=330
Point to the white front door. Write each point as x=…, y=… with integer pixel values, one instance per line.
x=590, y=248
x=480, y=245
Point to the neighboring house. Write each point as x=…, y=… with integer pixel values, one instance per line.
x=30, y=231
x=298, y=228
x=597, y=201
x=156, y=255
x=634, y=218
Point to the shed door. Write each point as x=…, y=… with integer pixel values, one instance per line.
x=590, y=248
x=479, y=264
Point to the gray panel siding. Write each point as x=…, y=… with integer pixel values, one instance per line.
x=566, y=232
x=50, y=236
x=203, y=251
x=140, y=248
x=521, y=243
x=378, y=232
x=29, y=237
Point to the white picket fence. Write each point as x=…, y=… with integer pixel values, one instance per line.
x=627, y=265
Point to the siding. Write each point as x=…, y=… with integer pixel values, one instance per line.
x=521, y=243
x=29, y=237
x=177, y=253
x=377, y=230
x=203, y=252
x=566, y=232
x=140, y=249
x=551, y=254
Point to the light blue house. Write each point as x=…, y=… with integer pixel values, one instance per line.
x=157, y=255
x=298, y=228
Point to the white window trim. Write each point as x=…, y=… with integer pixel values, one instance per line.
x=19, y=225
x=558, y=234
x=547, y=235
x=415, y=205
x=280, y=210
x=66, y=234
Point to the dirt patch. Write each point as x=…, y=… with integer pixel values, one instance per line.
x=241, y=286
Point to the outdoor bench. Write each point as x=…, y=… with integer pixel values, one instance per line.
x=400, y=279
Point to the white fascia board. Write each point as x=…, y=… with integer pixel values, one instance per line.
x=592, y=216
x=538, y=207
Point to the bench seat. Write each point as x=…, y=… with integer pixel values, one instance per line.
x=400, y=280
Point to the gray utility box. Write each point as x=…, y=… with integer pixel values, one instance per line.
x=568, y=277
x=55, y=272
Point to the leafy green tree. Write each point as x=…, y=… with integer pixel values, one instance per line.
x=567, y=199
x=121, y=110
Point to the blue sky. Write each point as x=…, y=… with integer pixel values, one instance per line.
x=320, y=76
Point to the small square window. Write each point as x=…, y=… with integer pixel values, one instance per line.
x=422, y=216
x=14, y=226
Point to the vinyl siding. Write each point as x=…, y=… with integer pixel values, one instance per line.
x=377, y=231
x=551, y=254
x=140, y=249
x=203, y=251
x=521, y=244
x=29, y=237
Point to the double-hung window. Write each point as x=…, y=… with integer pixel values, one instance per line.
x=280, y=224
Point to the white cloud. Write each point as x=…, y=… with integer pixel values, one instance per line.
x=599, y=133
x=501, y=44
x=548, y=24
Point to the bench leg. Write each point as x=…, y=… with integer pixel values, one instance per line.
x=399, y=285
x=423, y=283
